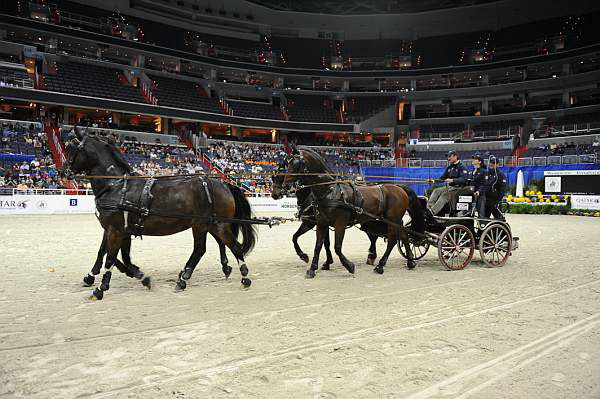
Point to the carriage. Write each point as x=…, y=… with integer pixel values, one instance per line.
x=458, y=237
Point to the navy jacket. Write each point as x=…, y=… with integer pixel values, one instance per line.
x=478, y=178
x=457, y=172
x=496, y=184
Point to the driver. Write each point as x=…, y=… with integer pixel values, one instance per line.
x=455, y=176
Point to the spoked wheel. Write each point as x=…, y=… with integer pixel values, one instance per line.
x=456, y=247
x=495, y=245
x=418, y=249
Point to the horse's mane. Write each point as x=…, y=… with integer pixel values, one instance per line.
x=319, y=159
x=117, y=156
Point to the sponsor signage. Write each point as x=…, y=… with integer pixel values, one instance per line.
x=46, y=204
x=591, y=202
x=64, y=204
x=572, y=181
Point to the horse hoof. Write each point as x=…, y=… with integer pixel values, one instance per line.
x=97, y=295
x=246, y=282
x=326, y=266
x=227, y=271
x=411, y=264
x=180, y=286
x=147, y=282
x=370, y=261
x=88, y=281
x=378, y=269
x=310, y=273
x=304, y=257
x=350, y=268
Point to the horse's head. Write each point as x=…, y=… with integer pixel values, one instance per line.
x=285, y=176
x=80, y=156
x=87, y=152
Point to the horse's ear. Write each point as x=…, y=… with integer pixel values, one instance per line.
x=78, y=133
x=295, y=150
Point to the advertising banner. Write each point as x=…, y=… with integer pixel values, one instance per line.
x=591, y=202
x=46, y=204
x=22, y=204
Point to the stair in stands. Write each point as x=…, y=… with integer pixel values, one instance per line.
x=56, y=146
x=204, y=159
x=518, y=153
x=57, y=149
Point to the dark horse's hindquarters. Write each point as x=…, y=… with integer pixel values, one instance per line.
x=161, y=207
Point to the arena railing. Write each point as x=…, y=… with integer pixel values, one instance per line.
x=507, y=161
x=44, y=191
x=539, y=161
x=25, y=83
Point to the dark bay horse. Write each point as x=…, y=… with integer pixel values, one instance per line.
x=304, y=198
x=341, y=204
x=161, y=206
x=306, y=213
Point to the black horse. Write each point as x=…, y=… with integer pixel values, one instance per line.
x=341, y=204
x=157, y=207
x=306, y=213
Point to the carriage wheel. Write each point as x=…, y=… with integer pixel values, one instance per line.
x=456, y=247
x=495, y=245
x=418, y=250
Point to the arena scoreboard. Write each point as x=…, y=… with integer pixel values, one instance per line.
x=572, y=181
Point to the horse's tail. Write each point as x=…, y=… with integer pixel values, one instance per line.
x=243, y=212
x=415, y=210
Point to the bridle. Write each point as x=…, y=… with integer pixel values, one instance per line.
x=72, y=154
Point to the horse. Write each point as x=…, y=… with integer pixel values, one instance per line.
x=127, y=267
x=306, y=213
x=341, y=204
x=163, y=206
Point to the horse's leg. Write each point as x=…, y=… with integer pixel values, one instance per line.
x=410, y=263
x=89, y=278
x=113, y=245
x=329, y=259
x=224, y=261
x=128, y=267
x=372, y=249
x=199, y=250
x=340, y=231
x=223, y=256
x=391, y=242
x=225, y=234
x=306, y=225
x=322, y=230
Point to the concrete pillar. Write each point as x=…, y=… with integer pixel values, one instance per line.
x=566, y=98
x=346, y=85
x=566, y=69
x=484, y=106
x=413, y=109
x=413, y=84
x=139, y=61
x=165, y=125
x=485, y=80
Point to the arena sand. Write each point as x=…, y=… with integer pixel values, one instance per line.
x=528, y=330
